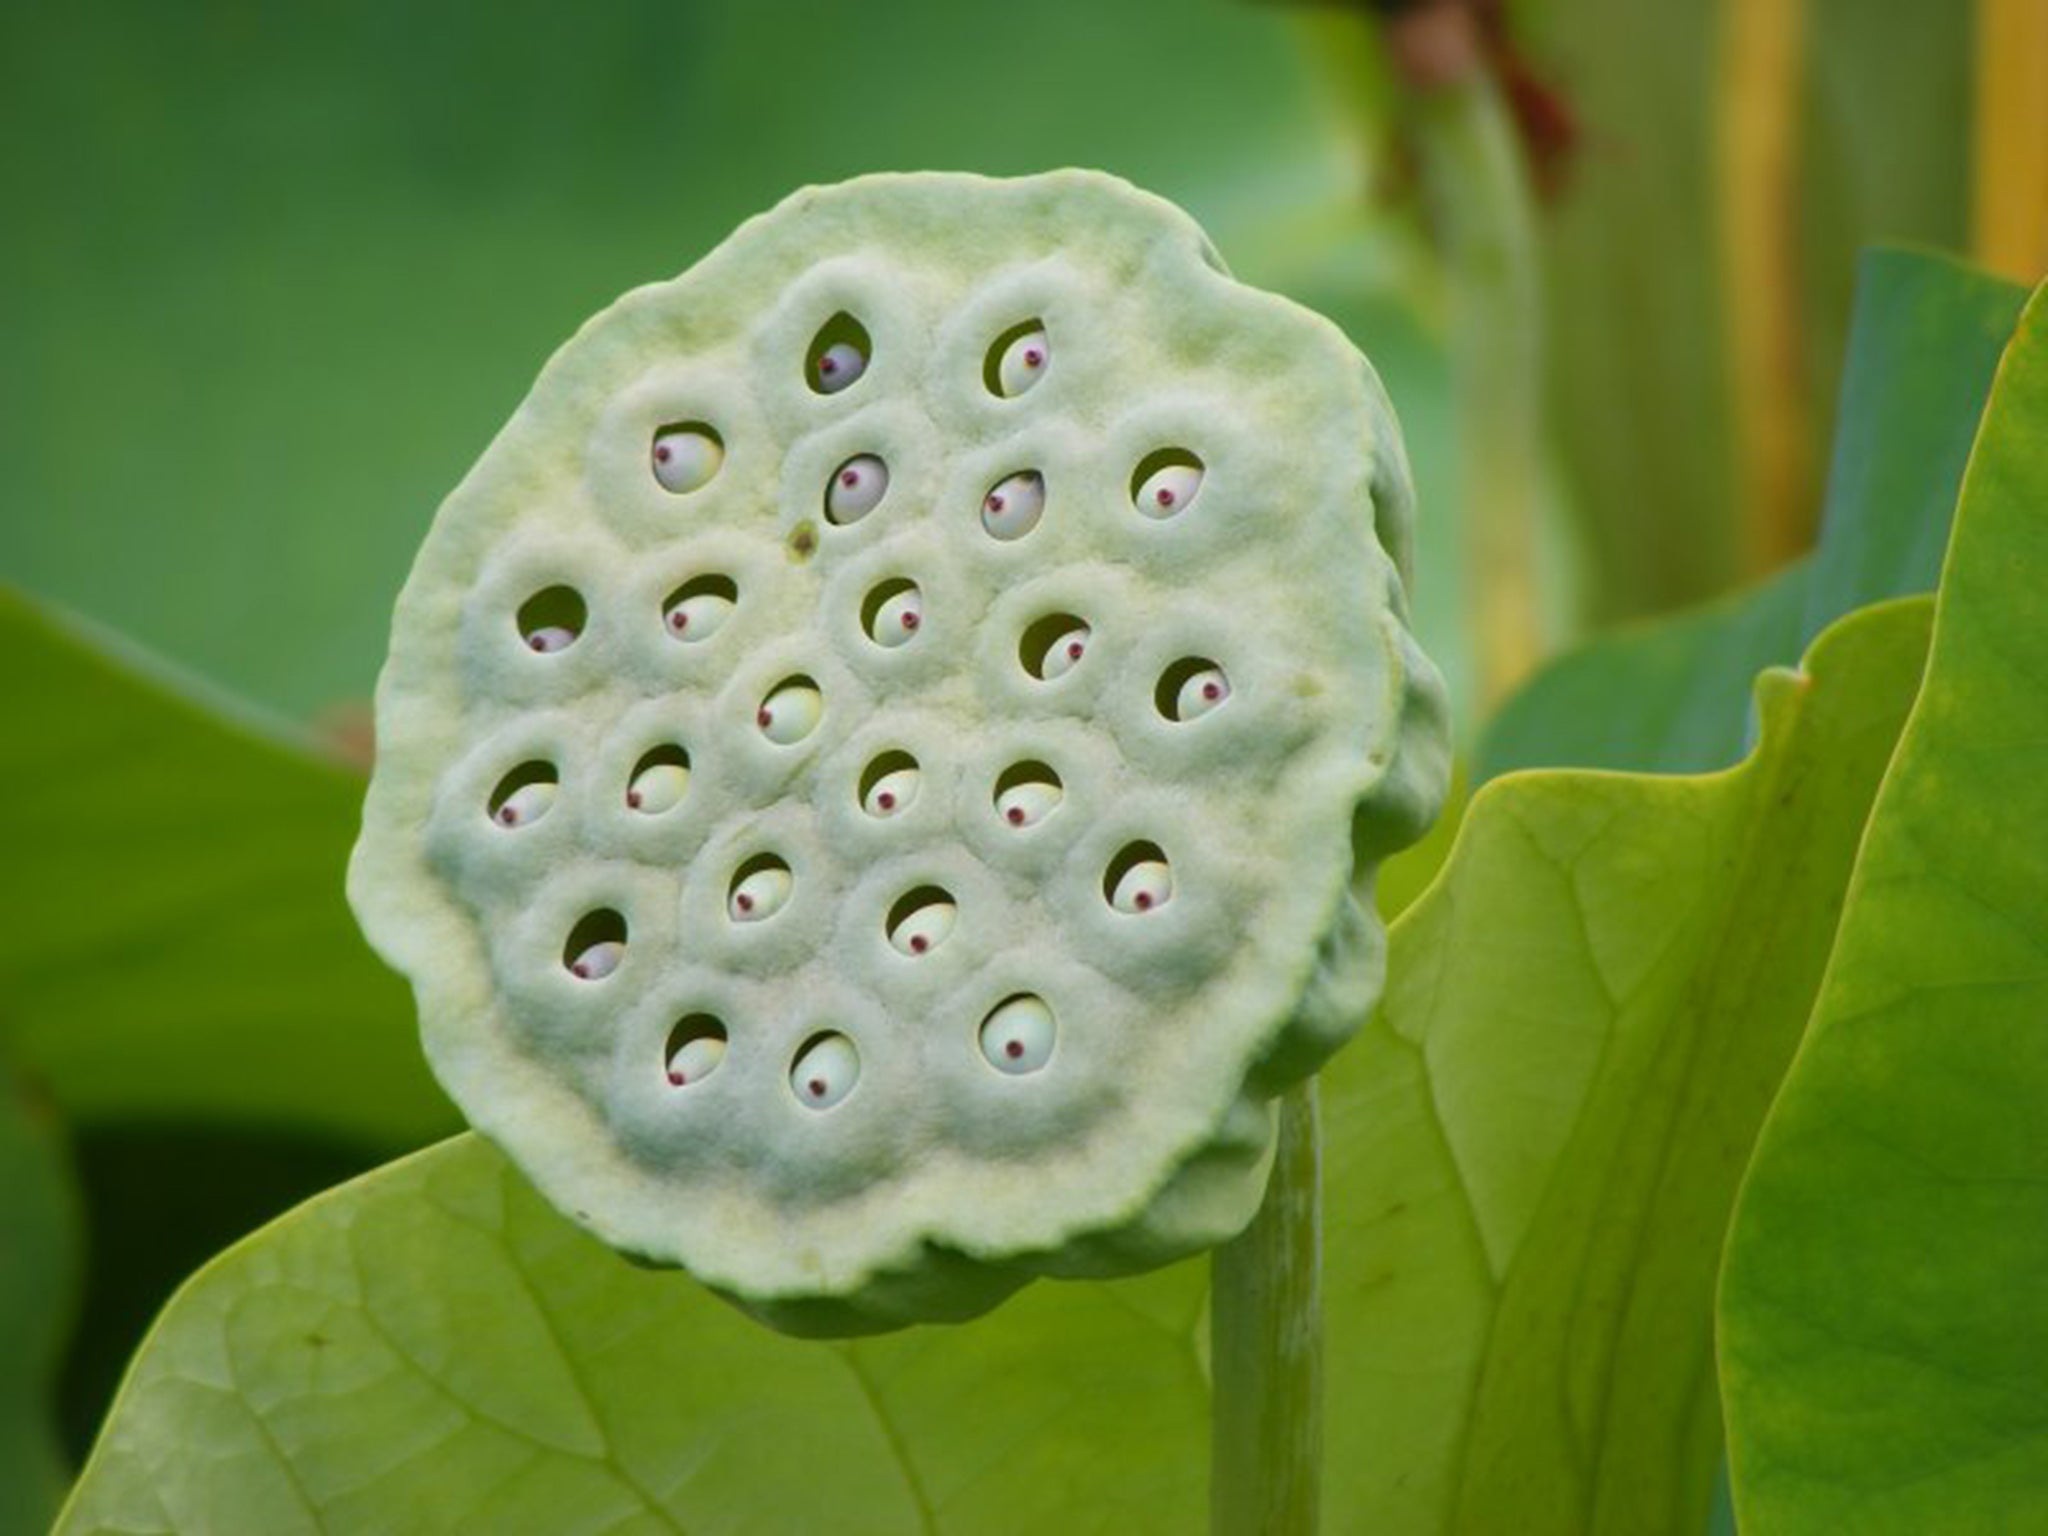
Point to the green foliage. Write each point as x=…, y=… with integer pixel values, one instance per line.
x=38, y=1263
x=1534, y=1147
x=1885, y=1329
x=1671, y=696
x=188, y=952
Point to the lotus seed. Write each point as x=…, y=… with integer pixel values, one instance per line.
x=1168, y=490
x=923, y=929
x=550, y=637
x=1013, y=507
x=696, y=1060
x=1202, y=692
x=699, y=617
x=1018, y=1036
x=657, y=788
x=856, y=489
x=1065, y=653
x=526, y=805
x=898, y=617
x=826, y=1071
x=1028, y=803
x=1024, y=363
x=760, y=895
x=597, y=961
x=840, y=365
x=790, y=713
x=892, y=792
x=1145, y=887
x=685, y=458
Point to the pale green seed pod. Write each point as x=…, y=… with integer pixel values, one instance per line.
x=1046, y=899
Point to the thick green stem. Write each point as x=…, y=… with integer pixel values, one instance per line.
x=1266, y=1347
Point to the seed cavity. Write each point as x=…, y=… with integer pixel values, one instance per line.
x=839, y=355
x=855, y=489
x=1017, y=360
x=1017, y=1036
x=1190, y=689
x=659, y=780
x=892, y=612
x=1027, y=793
x=699, y=608
x=791, y=711
x=826, y=1069
x=696, y=1045
x=1165, y=482
x=524, y=795
x=1138, y=879
x=760, y=888
x=686, y=455
x=1014, y=505
x=551, y=619
x=889, y=784
x=1053, y=646
x=596, y=945
x=921, y=921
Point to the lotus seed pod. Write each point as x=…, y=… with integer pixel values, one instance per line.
x=1035, y=928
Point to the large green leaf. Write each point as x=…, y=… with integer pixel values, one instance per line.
x=274, y=276
x=38, y=1261
x=1585, y=1021
x=1529, y=1163
x=1885, y=1303
x=1672, y=696
x=175, y=942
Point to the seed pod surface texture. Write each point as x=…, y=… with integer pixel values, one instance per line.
x=915, y=909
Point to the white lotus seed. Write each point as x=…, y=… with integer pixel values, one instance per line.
x=1202, y=692
x=826, y=1072
x=892, y=792
x=526, y=805
x=924, y=929
x=1018, y=1037
x=760, y=895
x=1013, y=508
x=685, y=458
x=839, y=365
x=1144, y=887
x=1028, y=803
x=699, y=617
x=549, y=638
x=656, y=788
x=898, y=617
x=598, y=960
x=790, y=713
x=695, y=1060
x=857, y=489
x=1023, y=363
x=1168, y=490
x=1065, y=653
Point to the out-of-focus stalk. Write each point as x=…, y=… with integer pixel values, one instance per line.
x=1476, y=186
x=1762, y=51
x=1266, y=1347
x=2009, y=194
